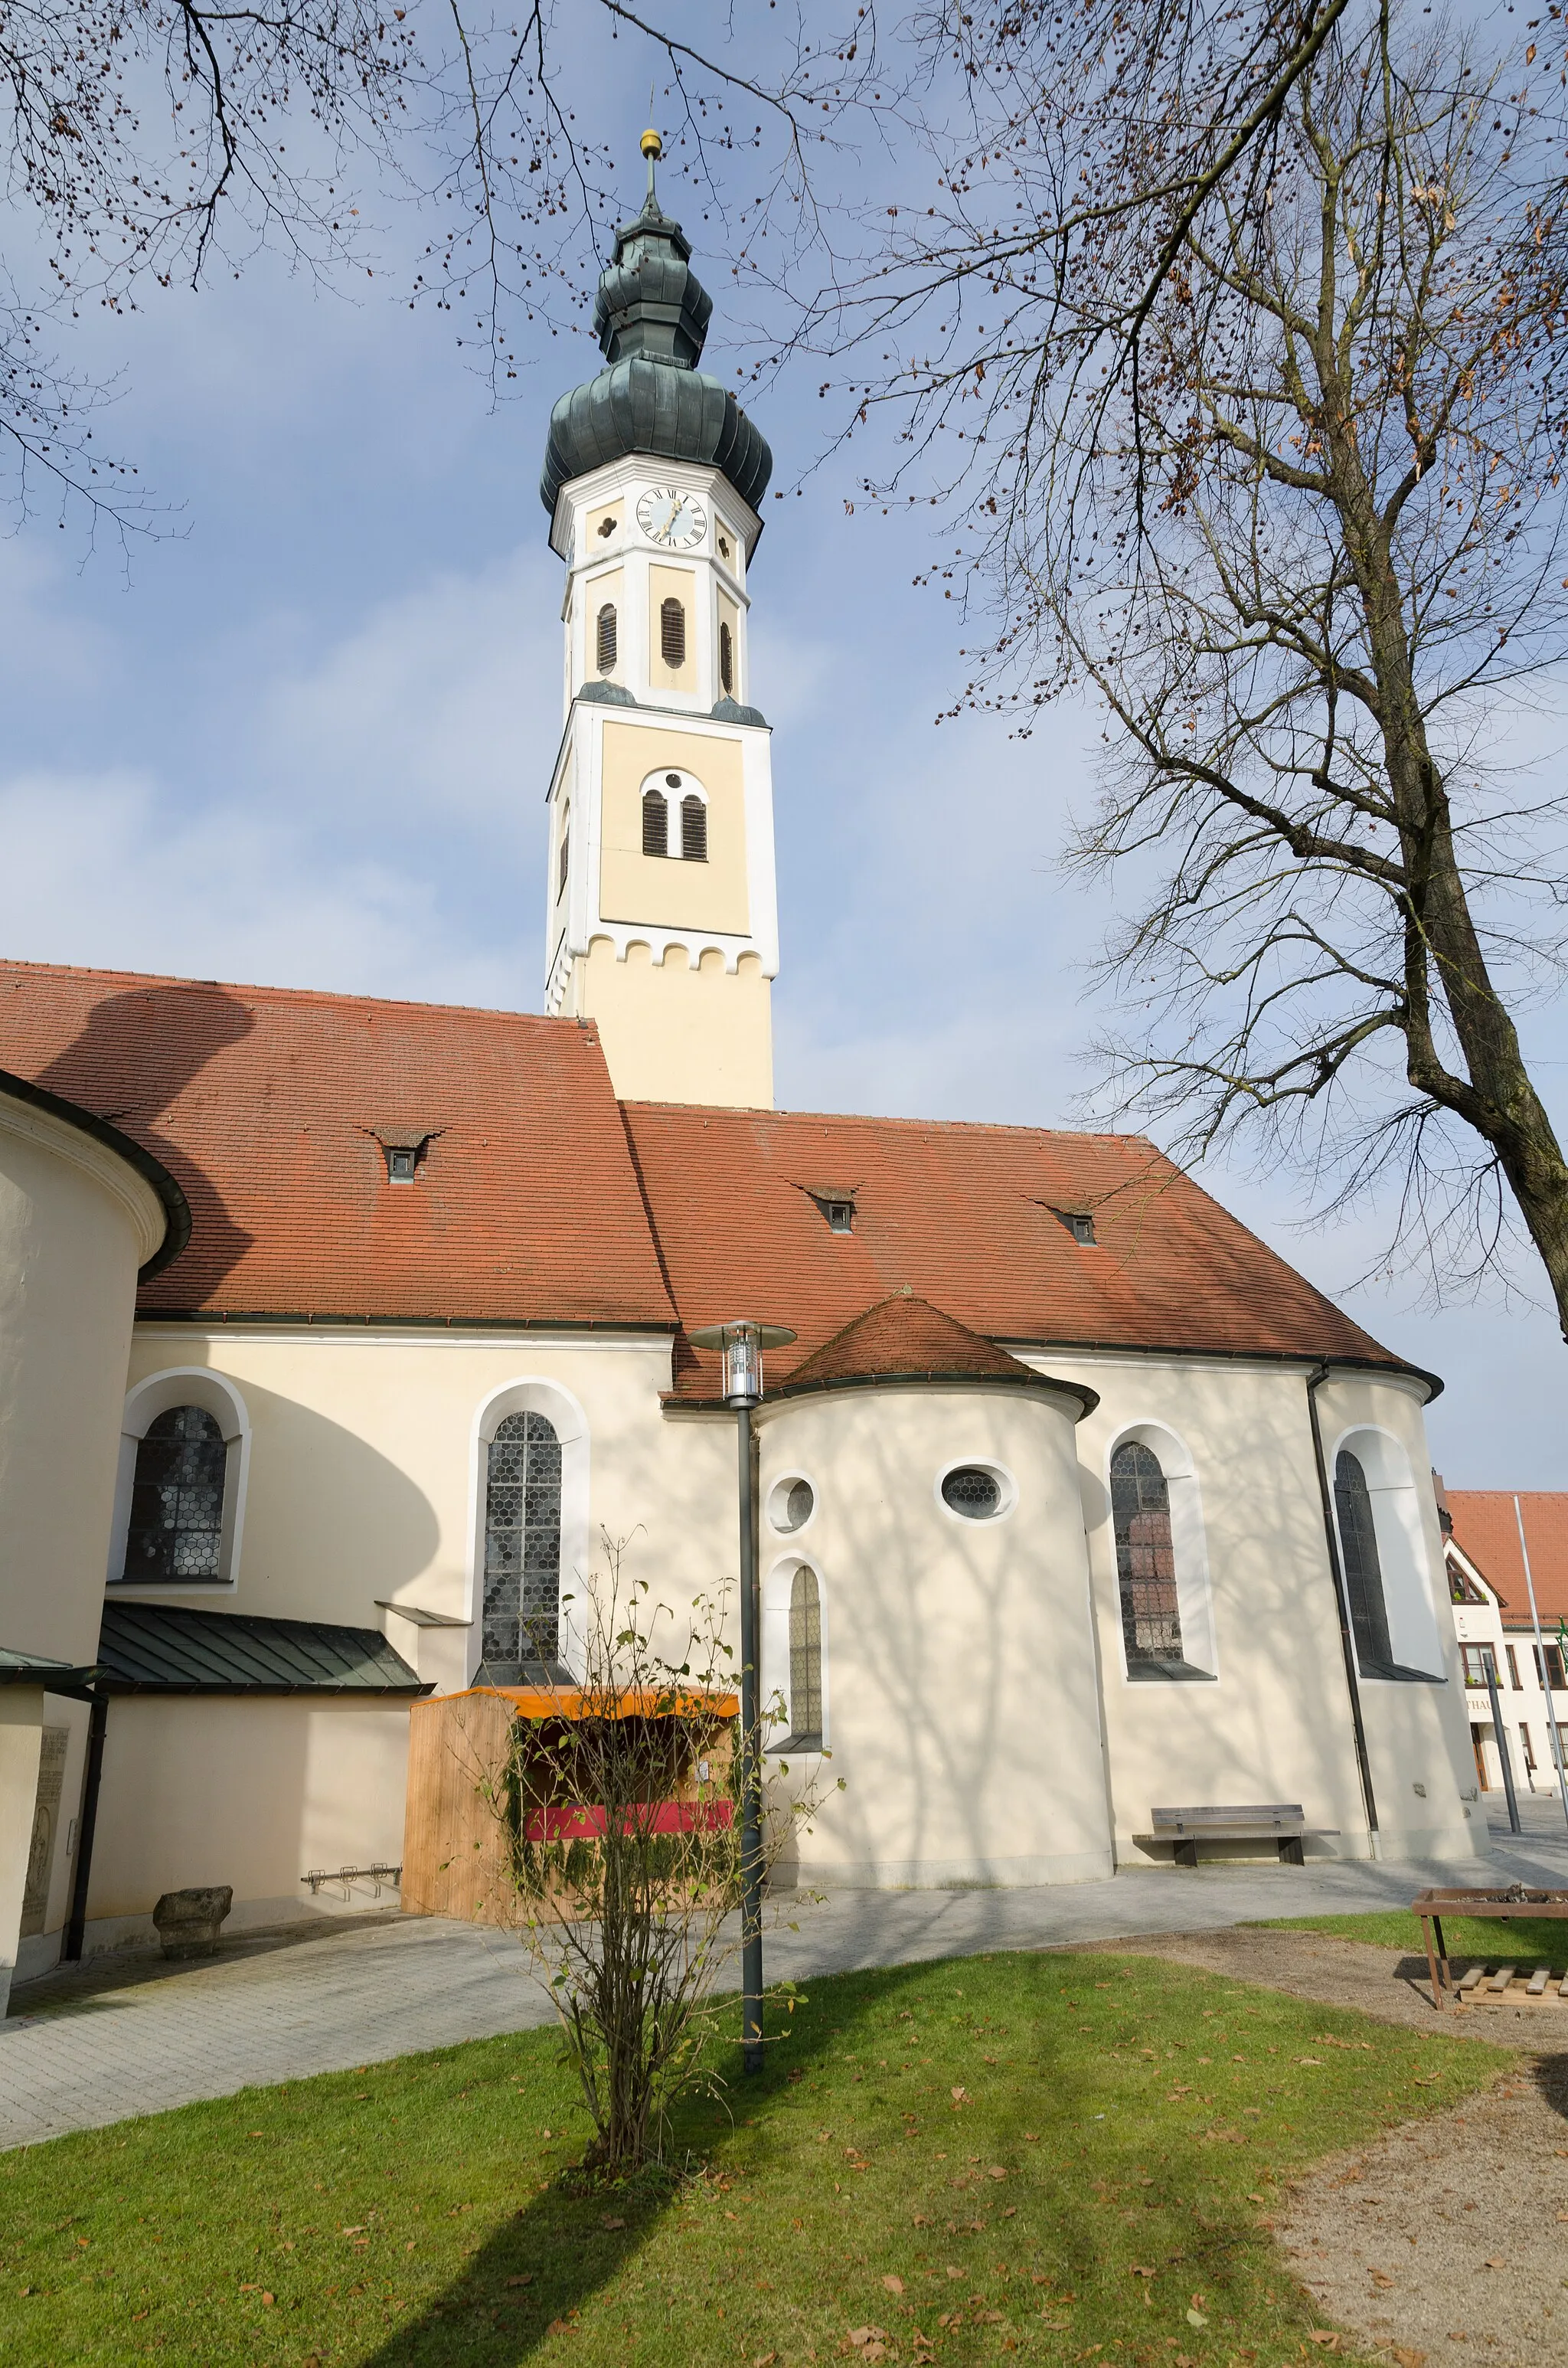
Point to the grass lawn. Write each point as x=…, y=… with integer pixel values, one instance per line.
x=1518, y=1940
x=1049, y=2157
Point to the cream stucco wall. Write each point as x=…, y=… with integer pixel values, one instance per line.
x=662, y=891
x=962, y=1707
x=1276, y=1723
x=676, y=1030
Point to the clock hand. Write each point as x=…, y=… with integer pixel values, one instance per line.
x=672, y=511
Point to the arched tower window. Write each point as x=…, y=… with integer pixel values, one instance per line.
x=655, y=823
x=566, y=849
x=605, y=638
x=176, y=1502
x=726, y=658
x=805, y=1661
x=693, y=830
x=522, y=1545
x=1145, y=1555
x=672, y=634
x=1363, y=1567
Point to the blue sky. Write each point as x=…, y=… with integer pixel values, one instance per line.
x=306, y=740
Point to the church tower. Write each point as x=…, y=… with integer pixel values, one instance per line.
x=662, y=911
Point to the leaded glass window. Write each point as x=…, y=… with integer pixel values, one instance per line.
x=176, y=1502
x=1145, y=1556
x=522, y=1544
x=1363, y=1570
x=805, y=1661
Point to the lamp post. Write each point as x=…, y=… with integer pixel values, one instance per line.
x=742, y=1343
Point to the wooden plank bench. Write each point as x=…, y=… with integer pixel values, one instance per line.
x=1508, y=1906
x=1284, y=1822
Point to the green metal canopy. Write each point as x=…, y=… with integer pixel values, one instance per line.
x=170, y=1649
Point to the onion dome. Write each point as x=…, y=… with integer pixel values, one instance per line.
x=651, y=318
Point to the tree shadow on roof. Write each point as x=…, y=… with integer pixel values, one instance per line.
x=136, y=1055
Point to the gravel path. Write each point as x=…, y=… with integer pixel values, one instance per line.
x=1445, y=2244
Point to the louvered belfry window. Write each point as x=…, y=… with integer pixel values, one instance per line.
x=726, y=658
x=655, y=823
x=1145, y=1555
x=566, y=849
x=605, y=638
x=805, y=1662
x=522, y=1544
x=694, y=830
x=176, y=1503
x=672, y=635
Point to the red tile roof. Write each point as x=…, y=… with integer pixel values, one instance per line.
x=269, y=1108
x=905, y=1339
x=963, y=1215
x=1487, y=1532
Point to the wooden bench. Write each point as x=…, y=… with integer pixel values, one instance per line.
x=1518, y=1900
x=1284, y=1822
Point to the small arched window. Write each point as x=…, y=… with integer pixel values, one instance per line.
x=1145, y=1557
x=522, y=1547
x=177, y=1501
x=566, y=849
x=655, y=823
x=693, y=830
x=605, y=638
x=672, y=635
x=805, y=1662
x=1363, y=1567
x=726, y=658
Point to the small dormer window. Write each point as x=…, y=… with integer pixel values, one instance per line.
x=838, y=1211
x=403, y=1159
x=1079, y=1223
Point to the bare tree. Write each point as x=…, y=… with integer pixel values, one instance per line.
x=618, y=1801
x=1280, y=477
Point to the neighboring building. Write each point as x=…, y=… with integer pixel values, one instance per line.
x=1491, y=1615
x=1058, y=1480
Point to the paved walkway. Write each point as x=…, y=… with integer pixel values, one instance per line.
x=84, y=2049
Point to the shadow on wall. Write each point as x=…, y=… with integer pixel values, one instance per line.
x=134, y=1058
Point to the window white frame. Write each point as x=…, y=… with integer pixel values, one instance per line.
x=779, y=1495
x=1195, y=1596
x=690, y=787
x=776, y=1589
x=1414, y=1636
x=999, y=1473
x=179, y=1386
x=533, y=1394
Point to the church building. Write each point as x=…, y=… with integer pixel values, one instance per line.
x=336, y=1333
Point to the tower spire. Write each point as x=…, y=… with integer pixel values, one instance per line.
x=653, y=148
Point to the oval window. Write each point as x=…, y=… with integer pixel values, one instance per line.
x=791, y=1505
x=968, y=1489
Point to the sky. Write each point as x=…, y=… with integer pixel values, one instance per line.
x=305, y=740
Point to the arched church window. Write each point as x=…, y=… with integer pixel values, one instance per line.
x=176, y=1503
x=655, y=823
x=566, y=848
x=1363, y=1570
x=1145, y=1555
x=522, y=1544
x=693, y=830
x=672, y=635
x=606, y=639
x=805, y=1662
x=726, y=658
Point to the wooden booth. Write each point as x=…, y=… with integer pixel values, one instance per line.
x=485, y=1777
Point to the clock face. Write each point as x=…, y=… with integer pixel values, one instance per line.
x=672, y=518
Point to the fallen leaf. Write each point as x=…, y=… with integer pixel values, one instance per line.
x=1195, y=2318
x=1494, y=2264
x=1379, y=2277
x=524, y=2278
x=1136, y=2270
x=1323, y=2335
x=609, y=2220
x=996, y=2171
x=893, y=2285
x=1310, y=2059
x=1011, y=2212
x=358, y=2229
x=960, y=2096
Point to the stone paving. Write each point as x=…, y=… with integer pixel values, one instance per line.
x=83, y=2049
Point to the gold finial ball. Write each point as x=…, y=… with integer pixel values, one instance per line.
x=650, y=143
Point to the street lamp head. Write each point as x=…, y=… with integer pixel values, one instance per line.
x=742, y=1343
